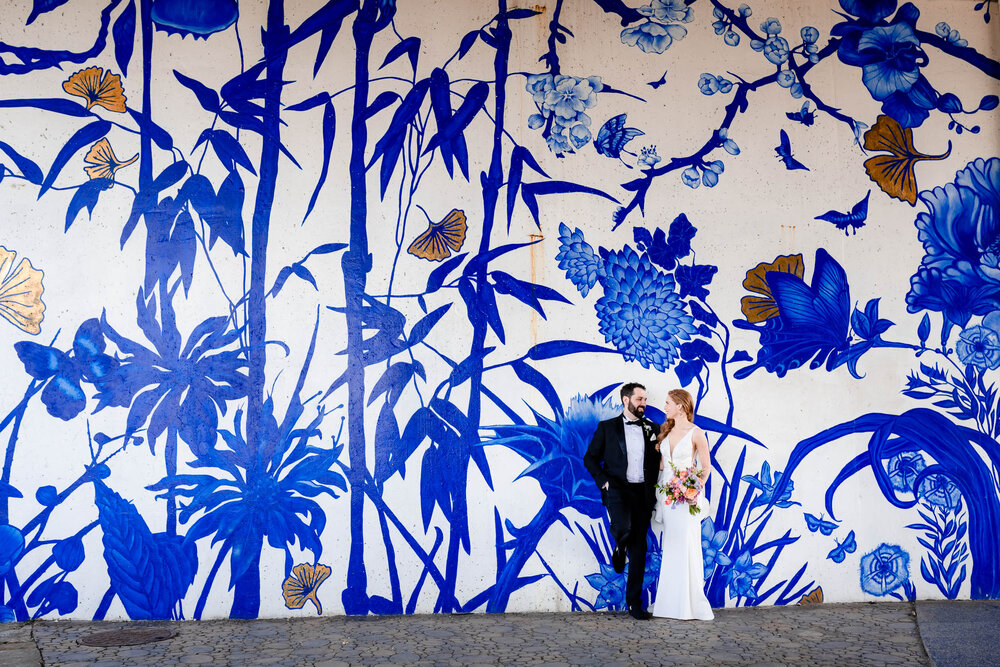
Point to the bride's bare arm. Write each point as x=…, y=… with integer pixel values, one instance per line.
x=704, y=458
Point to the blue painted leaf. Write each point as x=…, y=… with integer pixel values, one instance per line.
x=329, y=131
x=409, y=47
x=469, y=365
x=437, y=277
x=426, y=323
x=208, y=98
x=702, y=315
x=471, y=105
x=11, y=547
x=69, y=553
x=230, y=151
x=159, y=136
x=47, y=495
x=688, y=370
x=525, y=292
x=389, y=146
x=530, y=191
x=85, y=195
x=533, y=377
x=481, y=260
x=393, y=381
x=39, y=7
x=467, y=41
x=65, y=107
x=387, y=440
x=949, y=103
x=419, y=425
x=87, y=134
x=28, y=169
x=123, y=33
x=515, y=14
x=488, y=299
x=560, y=348
x=149, y=573
x=384, y=100
x=514, y=179
x=311, y=103
x=9, y=491
x=989, y=102
x=325, y=249
x=305, y=274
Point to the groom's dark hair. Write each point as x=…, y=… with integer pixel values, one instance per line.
x=629, y=388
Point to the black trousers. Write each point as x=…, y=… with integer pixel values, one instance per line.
x=629, y=511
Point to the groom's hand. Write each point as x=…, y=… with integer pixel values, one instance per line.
x=606, y=485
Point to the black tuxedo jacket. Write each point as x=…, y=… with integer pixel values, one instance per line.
x=607, y=459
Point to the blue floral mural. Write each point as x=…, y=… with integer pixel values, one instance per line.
x=312, y=329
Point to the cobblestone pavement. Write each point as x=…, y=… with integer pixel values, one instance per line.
x=826, y=634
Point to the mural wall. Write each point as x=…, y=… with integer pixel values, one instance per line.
x=312, y=307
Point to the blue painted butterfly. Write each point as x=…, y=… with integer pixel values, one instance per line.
x=784, y=151
x=656, y=84
x=839, y=552
x=812, y=322
x=803, y=115
x=613, y=136
x=852, y=221
x=815, y=523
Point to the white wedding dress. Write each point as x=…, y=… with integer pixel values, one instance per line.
x=680, y=590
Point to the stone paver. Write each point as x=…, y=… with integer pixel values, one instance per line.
x=826, y=634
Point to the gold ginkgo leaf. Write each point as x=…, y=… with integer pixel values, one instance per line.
x=99, y=87
x=764, y=307
x=893, y=173
x=440, y=238
x=815, y=596
x=302, y=585
x=21, y=292
x=102, y=161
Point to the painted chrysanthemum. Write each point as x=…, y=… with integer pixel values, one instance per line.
x=302, y=584
x=764, y=307
x=21, y=292
x=102, y=163
x=577, y=258
x=640, y=312
x=99, y=87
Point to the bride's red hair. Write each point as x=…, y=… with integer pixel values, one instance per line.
x=682, y=398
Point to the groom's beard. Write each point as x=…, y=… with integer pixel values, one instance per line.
x=637, y=410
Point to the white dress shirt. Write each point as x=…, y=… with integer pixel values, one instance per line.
x=635, y=446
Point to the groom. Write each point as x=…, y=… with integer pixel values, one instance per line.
x=623, y=460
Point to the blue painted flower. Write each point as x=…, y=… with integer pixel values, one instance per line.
x=762, y=482
x=809, y=34
x=640, y=312
x=771, y=26
x=708, y=84
x=869, y=10
x=892, y=59
x=980, y=347
x=570, y=95
x=884, y=570
x=554, y=449
x=610, y=586
x=786, y=78
x=653, y=560
x=731, y=38
x=712, y=542
x=959, y=232
x=742, y=575
x=939, y=491
x=776, y=50
x=64, y=371
x=653, y=37
x=691, y=177
x=728, y=144
x=903, y=469
x=200, y=19
x=577, y=258
x=667, y=11
x=579, y=134
x=648, y=157
x=539, y=86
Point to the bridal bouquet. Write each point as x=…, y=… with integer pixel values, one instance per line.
x=683, y=487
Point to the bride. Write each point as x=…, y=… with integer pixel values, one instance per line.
x=680, y=591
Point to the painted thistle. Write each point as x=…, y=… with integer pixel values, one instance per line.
x=99, y=87
x=303, y=584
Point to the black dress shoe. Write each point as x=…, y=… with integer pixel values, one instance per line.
x=639, y=614
x=618, y=560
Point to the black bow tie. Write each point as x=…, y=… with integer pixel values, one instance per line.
x=637, y=422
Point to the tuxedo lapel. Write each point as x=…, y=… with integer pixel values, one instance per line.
x=619, y=429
